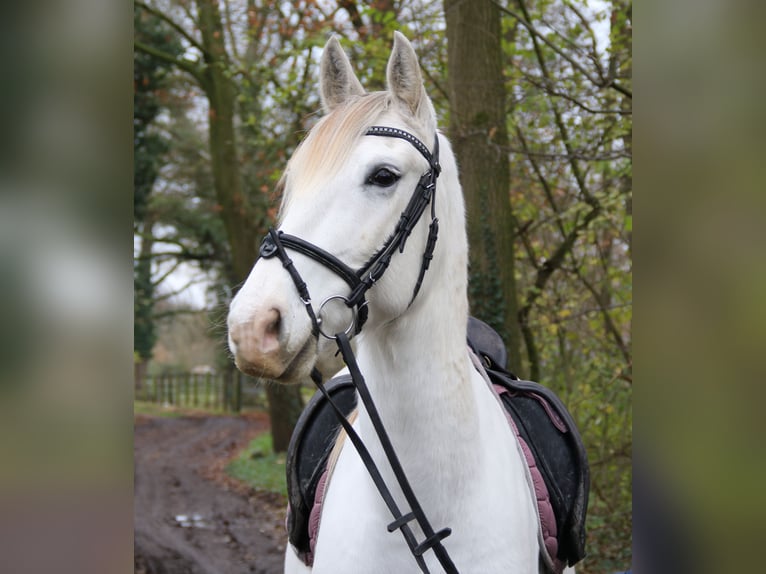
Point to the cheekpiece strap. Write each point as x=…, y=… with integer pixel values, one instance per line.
x=271, y=246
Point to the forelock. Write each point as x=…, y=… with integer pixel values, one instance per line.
x=329, y=143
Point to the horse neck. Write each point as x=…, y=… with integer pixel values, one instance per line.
x=417, y=366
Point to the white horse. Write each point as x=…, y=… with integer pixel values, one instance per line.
x=344, y=192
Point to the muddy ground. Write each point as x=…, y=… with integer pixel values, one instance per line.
x=189, y=518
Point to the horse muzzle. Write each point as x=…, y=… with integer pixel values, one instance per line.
x=257, y=346
x=264, y=346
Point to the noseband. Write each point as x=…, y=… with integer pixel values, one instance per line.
x=276, y=243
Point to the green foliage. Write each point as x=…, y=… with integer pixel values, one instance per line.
x=259, y=467
x=191, y=229
x=150, y=83
x=571, y=118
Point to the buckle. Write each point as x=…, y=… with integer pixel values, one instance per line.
x=268, y=247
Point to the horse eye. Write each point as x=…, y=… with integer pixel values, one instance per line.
x=383, y=177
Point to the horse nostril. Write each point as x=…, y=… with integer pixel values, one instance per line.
x=267, y=331
x=272, y=328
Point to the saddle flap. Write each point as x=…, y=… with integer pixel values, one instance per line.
x=310, y=445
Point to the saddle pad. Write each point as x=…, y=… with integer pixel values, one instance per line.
x=554, y=452
x=554, y=448
x=551, y=443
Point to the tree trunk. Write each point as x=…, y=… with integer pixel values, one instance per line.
x=144, y=328
x=243, y=225
x=480, y=139
x=283, y=400
x=140, y=367
x=238, y=218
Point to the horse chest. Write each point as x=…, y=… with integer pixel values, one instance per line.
x=353, y=538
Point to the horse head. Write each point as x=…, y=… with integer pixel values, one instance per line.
x=343, y=192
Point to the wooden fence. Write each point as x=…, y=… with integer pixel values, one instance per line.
x=227, y=391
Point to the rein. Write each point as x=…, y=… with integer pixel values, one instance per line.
x=276, y=243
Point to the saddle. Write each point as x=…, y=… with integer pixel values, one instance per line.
x=558, y=476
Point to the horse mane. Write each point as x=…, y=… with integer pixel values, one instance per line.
x=328, y=144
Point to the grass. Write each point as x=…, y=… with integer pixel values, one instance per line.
x=256, y=465
x=259, y=467
x=153, y=409
x=156, y=410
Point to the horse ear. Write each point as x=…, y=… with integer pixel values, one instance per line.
x=338, y=81
x=406, y=82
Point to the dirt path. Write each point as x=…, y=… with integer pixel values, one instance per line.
x=188, y=517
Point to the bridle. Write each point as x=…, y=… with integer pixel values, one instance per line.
x=276, y=244
x=361, y=280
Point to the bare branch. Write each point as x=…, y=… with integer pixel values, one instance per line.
x=524, y=21
x=170, y=294
x=544, y=273
x=542, y=180
x=593, y=44
x=551, y=91
x=436, y=84
x=609, y=325
x=175, y=312
x=187, y=67
x=172, y=23
x=578, y=155
x=232, y=38
x=584, y=313
x=167, y=274
x=581, y=50
x=622, y=89
x=537, y=35
x=181, y=255
x=589, y=198
x=255, y=29
x=524, y=236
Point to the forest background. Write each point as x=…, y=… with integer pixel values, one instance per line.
x=536, y=97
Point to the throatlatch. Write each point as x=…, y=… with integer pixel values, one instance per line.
x=276, y=243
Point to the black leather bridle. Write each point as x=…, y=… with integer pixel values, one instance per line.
x=361, y=280
x=276, y=244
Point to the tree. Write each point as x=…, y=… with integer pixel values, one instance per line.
x=565, y=131
x=556, y=103
x=252, y=61
x=570, y=100
x=478, y=130
x=150, y=82
x=244, y=225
